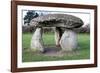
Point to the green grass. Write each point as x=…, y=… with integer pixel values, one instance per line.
x=27, y=56
x=47, y=38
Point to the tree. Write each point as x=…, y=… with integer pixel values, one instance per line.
x=29, y=16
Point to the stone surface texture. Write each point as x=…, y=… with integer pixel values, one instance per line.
x=37, y=42
x=57, y=20
x=68, y=40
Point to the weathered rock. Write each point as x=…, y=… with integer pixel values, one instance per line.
x=68, y=40
x=37, y=42
x=57, y=20
x=58, y=34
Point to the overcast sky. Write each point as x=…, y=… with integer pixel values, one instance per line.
x=84, y=16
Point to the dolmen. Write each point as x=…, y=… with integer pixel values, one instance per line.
x=67, y=40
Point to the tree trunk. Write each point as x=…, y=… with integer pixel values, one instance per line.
x=37, y=41
x=68, y=40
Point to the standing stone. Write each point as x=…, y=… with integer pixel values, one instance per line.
x=58, y=34
x=68, y=40
x=37, y=42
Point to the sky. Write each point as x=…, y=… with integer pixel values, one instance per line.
x=84, y=16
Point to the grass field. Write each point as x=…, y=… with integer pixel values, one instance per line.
x=27, y=56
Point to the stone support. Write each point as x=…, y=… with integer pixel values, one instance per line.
x=37, y=41
x=68, y=40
